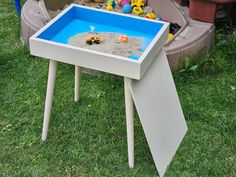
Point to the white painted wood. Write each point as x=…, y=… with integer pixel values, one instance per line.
x=97, y=60
x=160, y=112
x=48, y=103
x=129, y=121
x=77, y=83
x=85, y=58
x=150, y=56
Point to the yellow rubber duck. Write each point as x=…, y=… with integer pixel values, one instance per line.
x=137, y=10
x=151, y=15
x=109, y=7
x=137, y=6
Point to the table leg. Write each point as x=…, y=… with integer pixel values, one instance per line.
x=77, y=83
x=48, y=104
x=129, y=121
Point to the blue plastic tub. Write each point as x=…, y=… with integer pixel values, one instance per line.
x=79, y=20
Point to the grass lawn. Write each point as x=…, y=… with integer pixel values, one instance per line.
x=89, y=138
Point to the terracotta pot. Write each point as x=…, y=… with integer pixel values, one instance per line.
x=205, y=10
x=202, y=11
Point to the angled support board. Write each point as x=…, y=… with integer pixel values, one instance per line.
x=160, y=112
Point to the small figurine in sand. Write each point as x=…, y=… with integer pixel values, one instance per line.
x=93, y=40
x=123, y=38
x=92, y=29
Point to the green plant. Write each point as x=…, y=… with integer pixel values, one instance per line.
x=187, y=67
